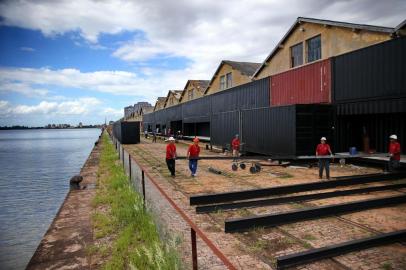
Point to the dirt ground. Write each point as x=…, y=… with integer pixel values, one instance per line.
x=265, y=244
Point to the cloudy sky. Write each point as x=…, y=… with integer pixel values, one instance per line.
x=70, y=61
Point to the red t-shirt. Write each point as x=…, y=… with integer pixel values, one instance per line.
x=194, y=151
x=236, y=144
x=170, y=151
x=394, y=148
x=323, y=149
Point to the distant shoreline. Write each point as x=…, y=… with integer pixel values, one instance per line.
x=23, y=128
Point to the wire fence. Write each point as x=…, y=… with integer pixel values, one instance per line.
x=175, y=227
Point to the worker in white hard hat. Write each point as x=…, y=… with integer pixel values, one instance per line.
x=323, y=150
x=171, y=155
x=394, y=153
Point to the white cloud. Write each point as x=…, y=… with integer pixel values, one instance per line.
x=27, y=49
x=115, y=82
x=204, y=32
x=88, y=110
x=148, y=87
x=22, y=88
x=80, y=106
x=4, y=107
x=113, y=112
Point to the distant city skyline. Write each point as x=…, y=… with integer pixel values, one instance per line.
x=58, y=65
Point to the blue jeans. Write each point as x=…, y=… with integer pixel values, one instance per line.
x=193, y=165
x=324, y=163
x=393, y=165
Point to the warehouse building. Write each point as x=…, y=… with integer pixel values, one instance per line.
x=230, y=74
x=160, y=103
x=370, y=96
x=353, y=92
x=309, y=40
x=173, y=98
x=128, y=111
x=193, y=89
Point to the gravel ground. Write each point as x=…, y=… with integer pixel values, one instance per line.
x=258, y=249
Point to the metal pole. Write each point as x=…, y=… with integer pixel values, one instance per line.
x=129, y=165
x=122, y=149
x=194, y=248
x=143, y=186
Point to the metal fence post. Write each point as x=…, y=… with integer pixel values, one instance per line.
x=194, y=248
x=143, y=186
x=122, y=155
x=129, y=165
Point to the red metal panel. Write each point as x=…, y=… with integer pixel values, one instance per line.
x=304, y=85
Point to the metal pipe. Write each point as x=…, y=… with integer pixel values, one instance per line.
x=336, y=156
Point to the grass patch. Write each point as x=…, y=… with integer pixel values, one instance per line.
x=135, y=242
x=243, y=212
x=298, y=205
x=258, y=246
x=307, y=245
x=103, y=224
x=386, y=266
x=309, y=237
x=286, y=175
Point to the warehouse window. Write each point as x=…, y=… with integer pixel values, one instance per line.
x=229, y=80
x=296, y=53
x=313, y=49
x=223, y=82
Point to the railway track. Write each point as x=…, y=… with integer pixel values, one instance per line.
x=146, y=156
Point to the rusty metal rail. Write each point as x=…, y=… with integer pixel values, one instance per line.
x=194, y=229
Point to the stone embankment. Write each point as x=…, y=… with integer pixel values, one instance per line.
x=64, y=246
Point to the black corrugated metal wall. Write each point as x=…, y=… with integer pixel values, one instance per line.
x=373, y=72
x=127, y=132
x=287, y=130
x=369, y=91
x=223, y=127
x=247, y=96
x=270, y=130
x=196, y=111
x=312, y=123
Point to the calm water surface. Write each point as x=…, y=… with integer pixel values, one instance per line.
x=35, y=168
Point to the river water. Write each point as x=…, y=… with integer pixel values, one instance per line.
x=35, y=168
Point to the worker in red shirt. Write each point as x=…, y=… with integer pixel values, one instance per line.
x=171, y=155
x=394, y=153
x=193, y=155
x=323, y=149
x=235, y=145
